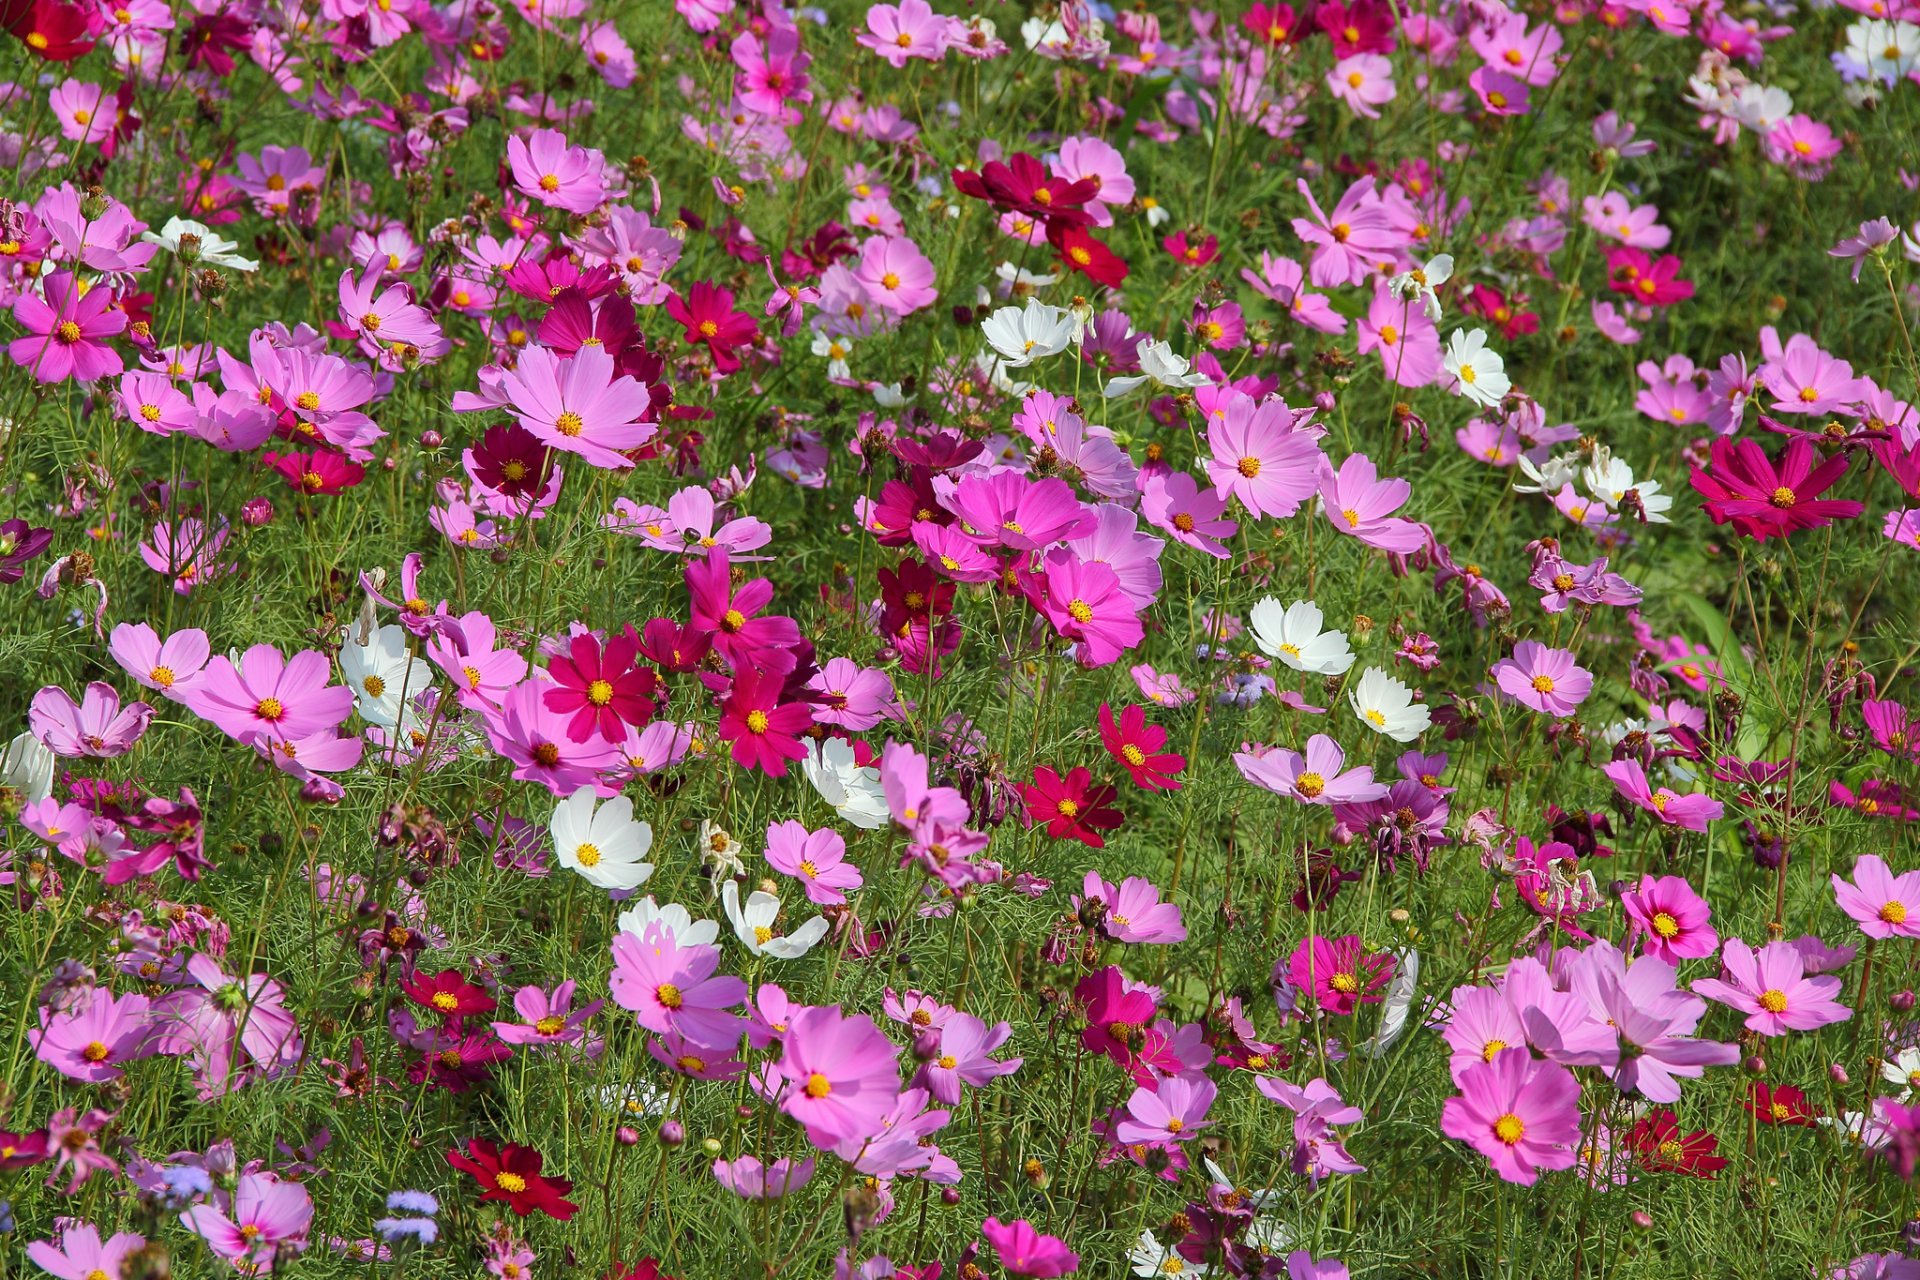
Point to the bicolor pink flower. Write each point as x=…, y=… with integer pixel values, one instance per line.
x=1883, y=904
x=1547, y=680
x=1361, y=505
x=1670, y=919
x=270, y=697
x=95, y=726
x=1172, y=1111
x=1522, y=1115
x=267, y=1219
x=1692, y=811
x=536, y=739
x=1313, y=778
x=1258, y=454
x=547, y=169
x=1770, y=986
x=817, y=859
x=580, y=404
x=1340, y=974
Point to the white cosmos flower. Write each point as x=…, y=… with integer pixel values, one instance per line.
x=1549, y=477
x=383, y=675
x=835, y=350
x=720, y=851
x=1610, y=480
x=753, y=925
x=607, y=847
x=671, y=916
x=1385, y=705
x=1160, y=363
x=1293, y=635
x=1903, y=1070
x=1760, y=107
x=1019, y=278
x=1422, y=281
x=214, y=250
x=854, y=792
x=1888, y=50
x=1024, y=334
x=1150, y=1258
x=1480, y=374
x=638, y=1100
x=26, y=767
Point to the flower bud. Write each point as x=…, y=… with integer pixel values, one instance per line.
x=1642, y=1219
x=1838, y=1074
x=256, y=512
x=1754, y=1065
x=431, y=439
x=949, y=1195
x=673, y=1133
x=1901, y=1001
x=626, y=1135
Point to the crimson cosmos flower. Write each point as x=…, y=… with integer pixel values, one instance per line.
x=1136, y=745
x=1657, y=284
x=1765, y=497
x=708, y=317
x=512, y=1174
x=1072, y=807
x=1659, y=1146
x=448, y=994
x=1783, y=1104
x=52, y=30
x=1080, y=252
x=1024, y=185
x=319, y=473
x=601, y=688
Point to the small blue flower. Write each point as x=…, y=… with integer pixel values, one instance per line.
x=421, y=1202
x=422, y=1231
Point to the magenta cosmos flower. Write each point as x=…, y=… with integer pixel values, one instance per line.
x=671, y=988
x=1691, y=811
x=1882, y=904
x=1256, y=453
x=837, y=1075
x=1765, y=497
x=1548, y=680
x=269, y=697
x=966, y=1046
x=67, y=332
x=1770, y=986
x=1086, y=604
x=1026, y=1252
x=1670, y=919
x=266, y=1215
x=1522, y=1115
x=577, y=404
x=1361, y=505
x=559, y=176
x=95, y=1041
x=1313, y=778
x=817, y=859
x=1339, y=972
x=536, y=739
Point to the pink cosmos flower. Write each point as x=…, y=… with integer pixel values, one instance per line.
x=1171, y=1111
x=1318, y=1109
x=1282, y=280
x=895, y=274
x=1313, y=778
x=66, y=331
x=1134, y=912
x=1352, y=242
x=580, y=404
x=1644, y=1025
x=1500, y=93
x=1617, y=218
x=267, y=1218
x=1363, y=81
x=1086, y=604
x=269, y=697
x=95, y=1040
x=1403, y=336
x=549, y=1019
x=671, y=988
x=237, y=1030
x=1547, y=680
x=964, y=1057
x=1805, y=379
x=547, y=169
x=836, y=1075
x=1507, y=43
x=1026, y=1252
x=1670, y=919
x=386, y=322
x=749, y=1179
x=817, y=859
x=1692, y=811
x=1177, y=506
x=152, y=403
x=1360, y=504
x=1258, y=453
x=95, y=726
x=81, y=1254
x=1524, y=1116
x=1007, y=509
x=1770, y=986
x=1883, y=904
x=852, y=696
x=1339, y=973
x=910, y=29
x=536, y=739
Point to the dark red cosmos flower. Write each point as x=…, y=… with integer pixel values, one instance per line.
x=1071, y=807
x=1136, y=745
x=210, y=40
x=1024, y=185
x=1361, y=27
x=1780, y=1105
x=601, y=688
x=938, y=452
x=1766, y=498
x=818, y=251
x=509, y=459
x=460, y=1064
x=319, y=472
x=512, y=1174
x=573, y=323
x=1659, y=1146
x=447, y=993
x=645, y=1269
x=18, y=1150
x=1275, y=24
x=912, y=592
x=1632, y=272
x=1191, y=251
x=903, y=504
x=1079, y=251
x=53, y=30
x=708, y=317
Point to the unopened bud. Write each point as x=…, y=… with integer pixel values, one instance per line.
x=1642, y=1219
x=1838, y=1074
x=1754, y=1065
x=673, y=1133
x=626, y=1135
x=1901, y=1001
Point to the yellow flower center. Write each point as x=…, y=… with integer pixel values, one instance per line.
x=1310, y=785
x=667, y=994
x=756, y=721
x=1249, y=467
x=600, y=693
x=1894, y=913
x=1783, y=498
x=551, y=1025
x=1509, y=1128
x=1345, y=983
x=1081, y=611
x=68, y=332
x=511, y=1183
x=1136, y=757
x=445, y=1001
x=1543, y=684
x=587, y=855
x=569, y=424
x=162, y=676
x=818, y=1086
x=1665, y=925
x=269, y=709
x=1773, y=1000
